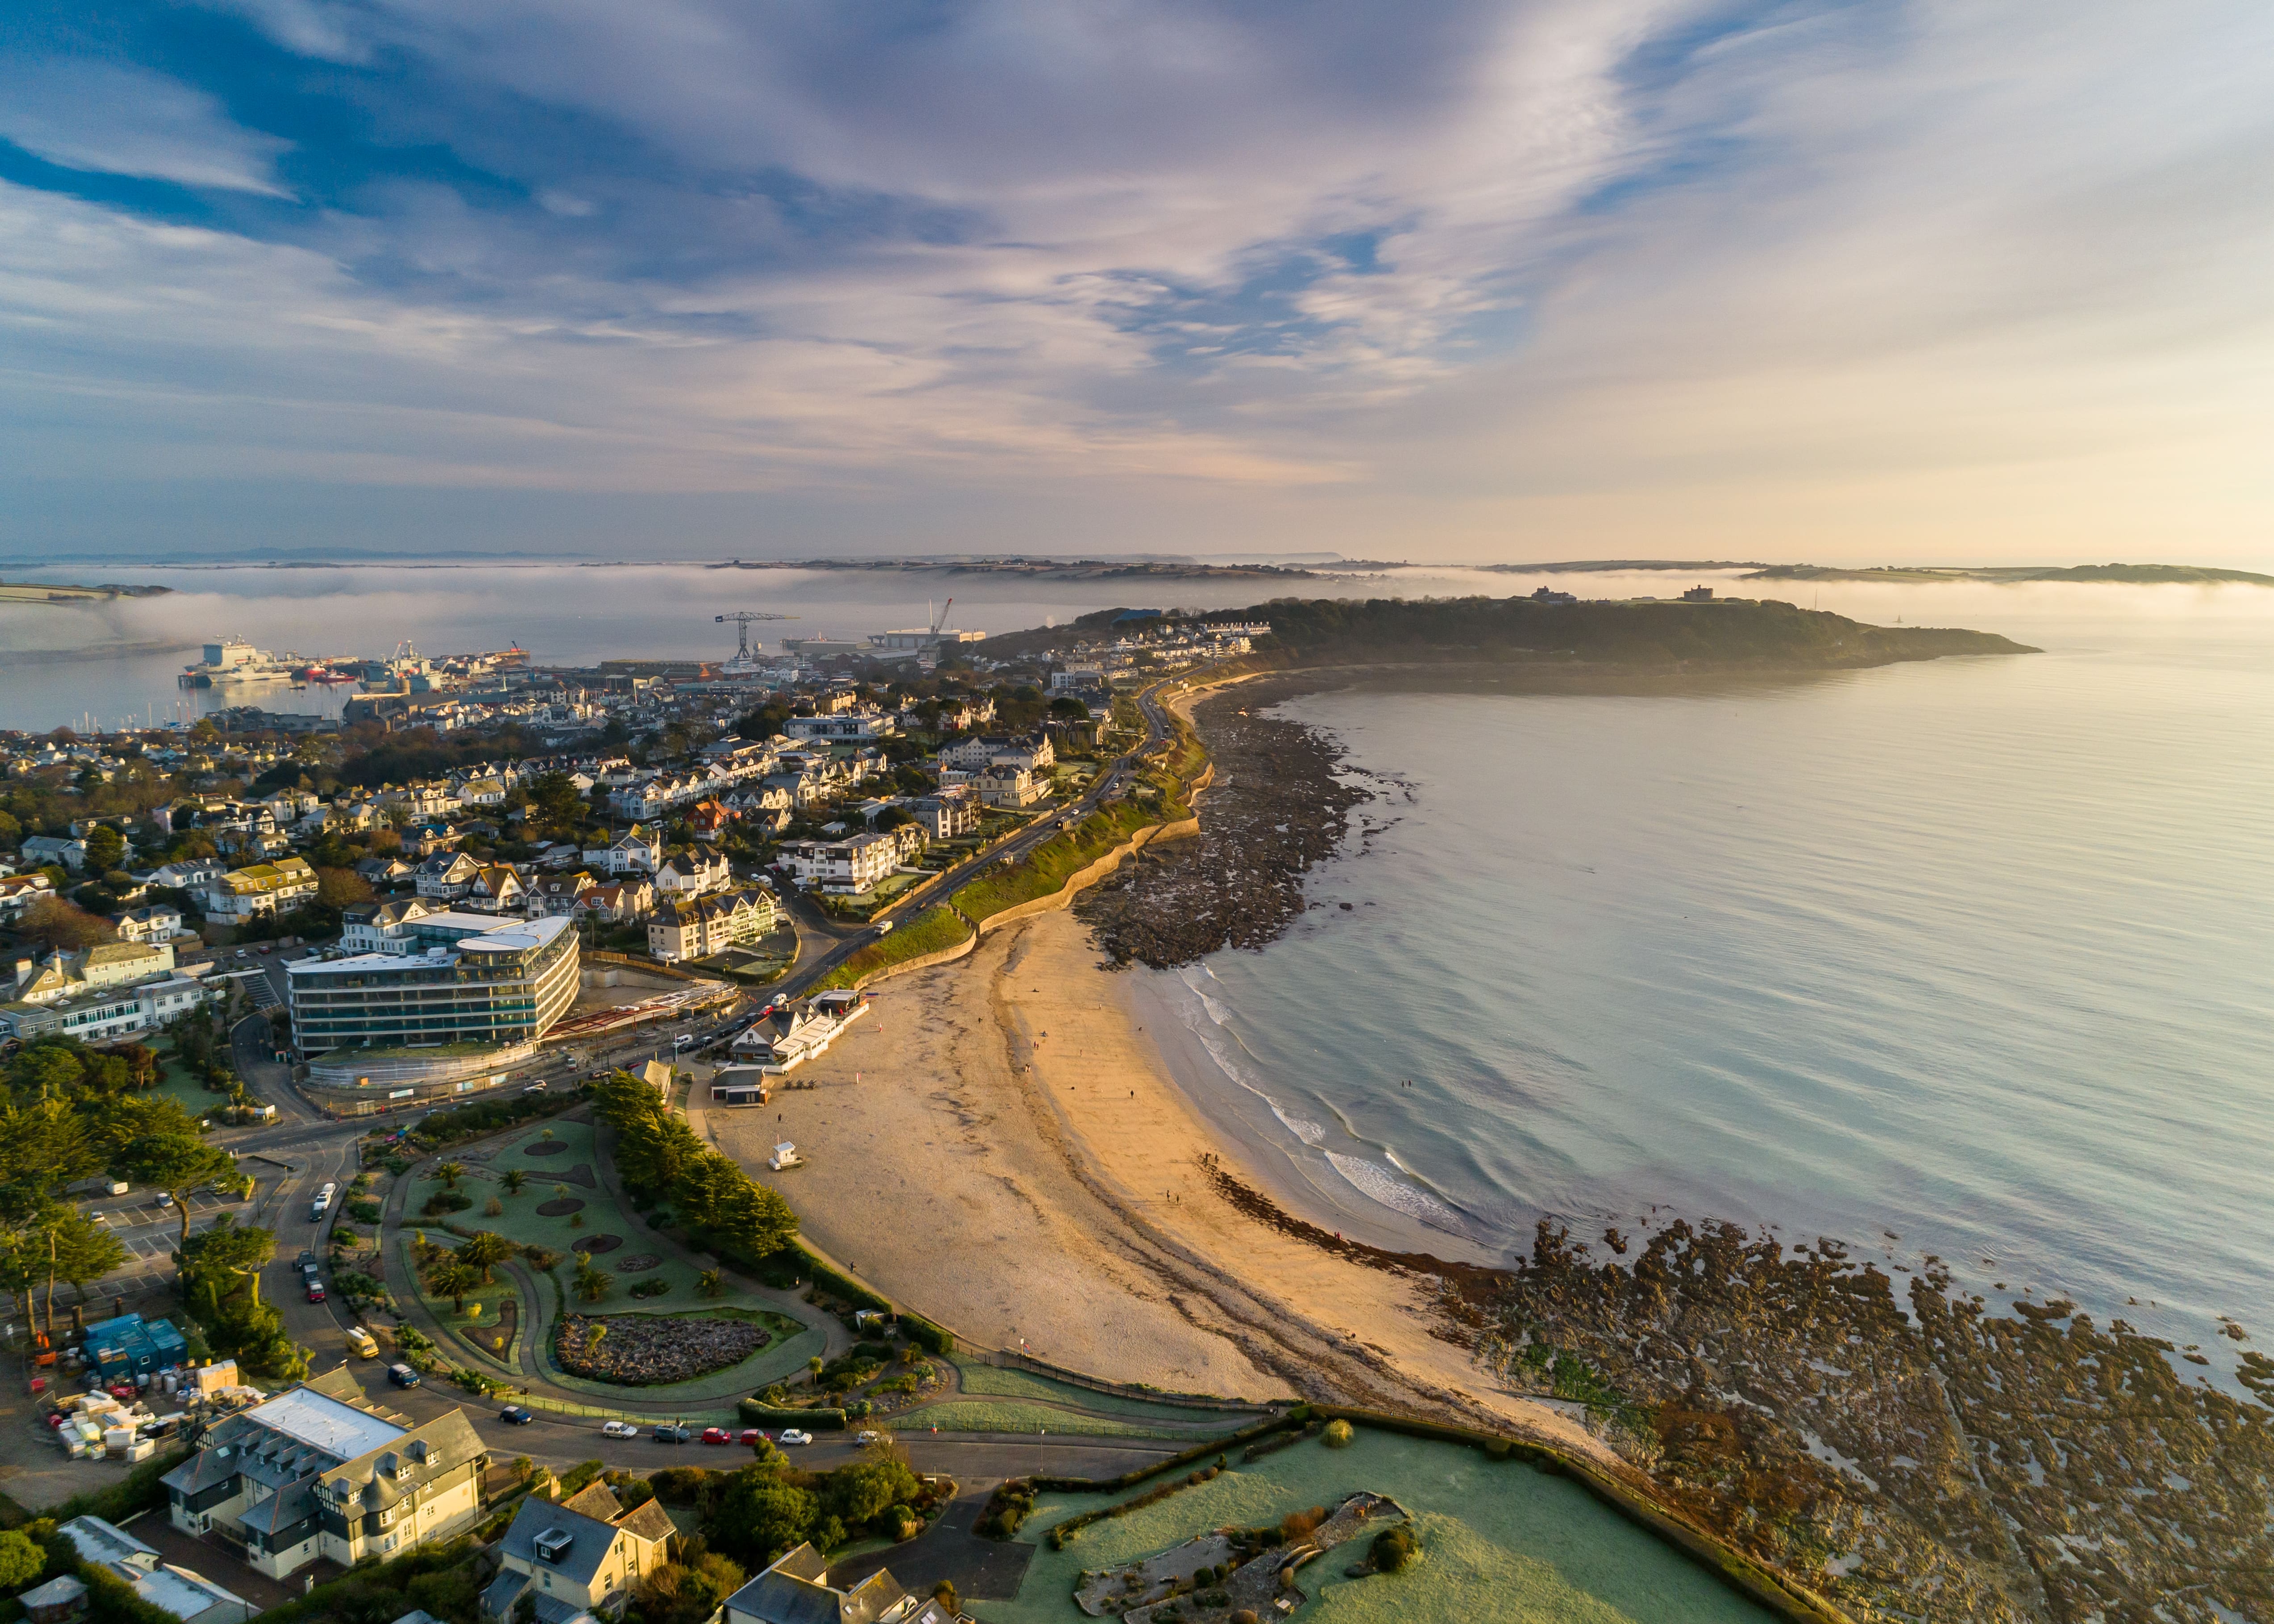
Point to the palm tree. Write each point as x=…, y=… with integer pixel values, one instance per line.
x=706, y=1283
x=450, y=1173
x=452, y=1278
x=484, y=1250
x=515, y=1179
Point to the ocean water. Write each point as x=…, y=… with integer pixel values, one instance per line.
x=107, y=663
x=1972, y=957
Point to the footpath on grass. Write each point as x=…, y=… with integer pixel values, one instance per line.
x=569, y=1195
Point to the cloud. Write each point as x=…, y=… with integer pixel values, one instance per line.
x=120, y=120
x=1464, y=277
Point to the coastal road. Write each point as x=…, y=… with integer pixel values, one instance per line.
x=1123, y=767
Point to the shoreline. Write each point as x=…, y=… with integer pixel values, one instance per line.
x=1055, y=1190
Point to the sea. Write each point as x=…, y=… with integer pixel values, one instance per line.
x=1969, y=959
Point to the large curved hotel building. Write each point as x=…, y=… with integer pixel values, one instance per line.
x=459, y=996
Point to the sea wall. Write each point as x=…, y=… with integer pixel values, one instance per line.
x=1075, y=882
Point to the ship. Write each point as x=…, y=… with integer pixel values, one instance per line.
x=234, y=660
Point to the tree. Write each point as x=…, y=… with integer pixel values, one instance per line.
x=83, y=1251
x=106, y=849
x=452, y=1278
x=159, y=1144
x=450, y=1173
x=20, y=1560
x=58, y=922
x=515, y=1178
x=484, y=1250
x=339, y=888
x=866, y=1490
x=706, y=1283
x=43, y=1145
x=555, y=808
x=758, y=1516
x=12, y=832
x=592, y=1282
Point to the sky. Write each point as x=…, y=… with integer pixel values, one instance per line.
x=1444, y=280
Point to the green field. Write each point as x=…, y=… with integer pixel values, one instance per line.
x=986, y=1380
x=933, y=931
x=1058, y=859
x=1500, y=1541
x=997, y=1414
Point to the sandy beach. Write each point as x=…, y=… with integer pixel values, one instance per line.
x=1000, y=1146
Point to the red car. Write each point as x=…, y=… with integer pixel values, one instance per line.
x=315, y=1291
x=717, y=1435
x=752, y=1435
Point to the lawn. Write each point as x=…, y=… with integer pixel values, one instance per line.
x=488, y=1298
x=175, y=1083
x=1500, y=1541
x=601, y=1216
x=986, y=1380
x=1050, y=865
x=1000, y=1415
x=935, y=930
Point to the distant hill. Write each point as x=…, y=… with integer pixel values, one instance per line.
x=1724, y=633
x=2135, y=575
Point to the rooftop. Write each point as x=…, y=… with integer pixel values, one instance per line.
x=327, y=1423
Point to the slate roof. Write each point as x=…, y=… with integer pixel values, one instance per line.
x=796, y=1590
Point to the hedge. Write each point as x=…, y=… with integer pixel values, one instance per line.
x=757, y=1413
x=839, y=1285
x=930, y=1337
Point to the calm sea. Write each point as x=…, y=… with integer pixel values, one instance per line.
x=103, y=663
x=1969, y=957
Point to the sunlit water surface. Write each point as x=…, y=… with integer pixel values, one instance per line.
x=1969, y=957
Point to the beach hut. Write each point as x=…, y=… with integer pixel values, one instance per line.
x=786, y=1157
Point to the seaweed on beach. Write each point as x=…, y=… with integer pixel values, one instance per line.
x=1942, y=1464
x=1276, y=808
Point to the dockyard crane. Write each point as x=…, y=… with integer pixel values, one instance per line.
x=742, y=618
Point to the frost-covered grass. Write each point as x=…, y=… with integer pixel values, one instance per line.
x=1500, y=1541
x=985, y=1378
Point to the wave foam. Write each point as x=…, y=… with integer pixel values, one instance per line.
x=1375, y=1182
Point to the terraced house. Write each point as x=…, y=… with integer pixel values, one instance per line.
x=696, y=927
x=318, y=1470
x=244, y=895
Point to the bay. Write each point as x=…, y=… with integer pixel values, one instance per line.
x=1968, y=959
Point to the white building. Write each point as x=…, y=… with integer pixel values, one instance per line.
x=854, y=864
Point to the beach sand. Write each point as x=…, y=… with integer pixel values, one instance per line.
x=999, y=1147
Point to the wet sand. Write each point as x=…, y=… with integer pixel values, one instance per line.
x=1000, y=1147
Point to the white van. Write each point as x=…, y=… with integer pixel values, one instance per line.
x=322, y=1204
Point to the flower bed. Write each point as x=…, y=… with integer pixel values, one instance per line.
x=638, y=1350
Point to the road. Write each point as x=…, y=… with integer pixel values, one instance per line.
x=811, y=967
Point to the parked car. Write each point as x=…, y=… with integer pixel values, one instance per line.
x=517, y=1415
x=870, y=1440
x=165, y=1197
x=315, y=1291
x=666, y=1433
x=791, y=1435
x=753, y=1436
x=619, y=1429
x=403, y=1375
x=717, y=1435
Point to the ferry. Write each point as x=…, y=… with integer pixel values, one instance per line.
x=232, y=659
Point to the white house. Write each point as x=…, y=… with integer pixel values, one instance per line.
x=854, y=864
x=638, y=850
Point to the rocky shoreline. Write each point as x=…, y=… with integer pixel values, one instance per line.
x=1278, y=806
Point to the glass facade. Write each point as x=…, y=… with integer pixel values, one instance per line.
x=508, y=985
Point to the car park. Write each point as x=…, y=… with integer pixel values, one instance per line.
x=666, y=1433
x=619, y=1429
x=717, y=1435
x=516, y=1415
x=791, y=1435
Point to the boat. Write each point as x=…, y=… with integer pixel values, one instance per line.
x=232, y=661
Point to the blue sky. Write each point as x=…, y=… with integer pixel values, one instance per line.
x=1472, y=280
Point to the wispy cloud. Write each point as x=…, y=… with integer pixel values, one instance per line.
x=1468, y=277
x=115, y=119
